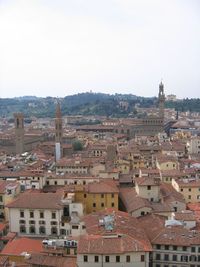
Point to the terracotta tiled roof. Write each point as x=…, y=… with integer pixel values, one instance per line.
x=178, y=236
x=145, y=181
x=17, y=246
x=96, y=244
x=51, y=261
x=4, y=184
x=126, y=230
x=132, y=201
x=169, y=194
x=184, y=216
x=188, y=182
x=37, y=200
x=152, y=224
x=108, y=186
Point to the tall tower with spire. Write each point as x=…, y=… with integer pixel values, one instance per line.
x=19, y=132
x=161, y=99
x=58, y=131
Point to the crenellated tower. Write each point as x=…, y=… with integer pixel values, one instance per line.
x=19, y=132
x=161, y=99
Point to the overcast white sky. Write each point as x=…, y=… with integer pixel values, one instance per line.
x=62, y=47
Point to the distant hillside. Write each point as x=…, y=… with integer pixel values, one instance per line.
x=118, y=105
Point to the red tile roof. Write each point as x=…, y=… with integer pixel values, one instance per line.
x=18, y=246
x=31, y=200
x=126, y=226
x=51, y=261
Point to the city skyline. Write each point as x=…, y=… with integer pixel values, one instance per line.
x=62, y=48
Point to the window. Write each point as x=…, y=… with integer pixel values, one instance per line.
x=158, y=257
x=189, y=197
x=189, y=189
x=53, y=215
x=31, y=214
x=42, y=230
x=107, y=259
x=85, y=258
x=184, y=248
x=166, y=247
x=41, y=214
x=112, y=204
x=157, y=265
x=55, y=182
x=96, y=258
x=193, y=258
x=94, y=205
x=128, y=258
x=32, y=230
x=54, y=231
x=112, y=195
x=75, y=227
x=148, y=187
x=174, y=257
x=102, y=204
x=63, y=231
x=142, y=258
x=166, y=257
x=174, y=247
x=117, y=258
x=193, y=249
x=22, y=229
x=184, y=258
x=102, y=195
x=22, y=214
x=158, y=246
x=1, y=198
x=85, y=195
x=181, y=189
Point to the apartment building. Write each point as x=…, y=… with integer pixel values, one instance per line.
x=97, y=195
x=45, y=214
x=9, y=190
x=113, y=238
x=189, y=188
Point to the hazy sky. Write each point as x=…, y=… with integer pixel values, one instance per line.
x=62, y=47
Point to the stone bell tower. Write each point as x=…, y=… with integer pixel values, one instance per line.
x=161, y=99
x=19, y=132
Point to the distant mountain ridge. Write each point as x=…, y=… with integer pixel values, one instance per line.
x=117, y=105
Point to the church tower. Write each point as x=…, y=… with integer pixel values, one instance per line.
x=58, y=132
x=161, y=99
x=19, y=132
